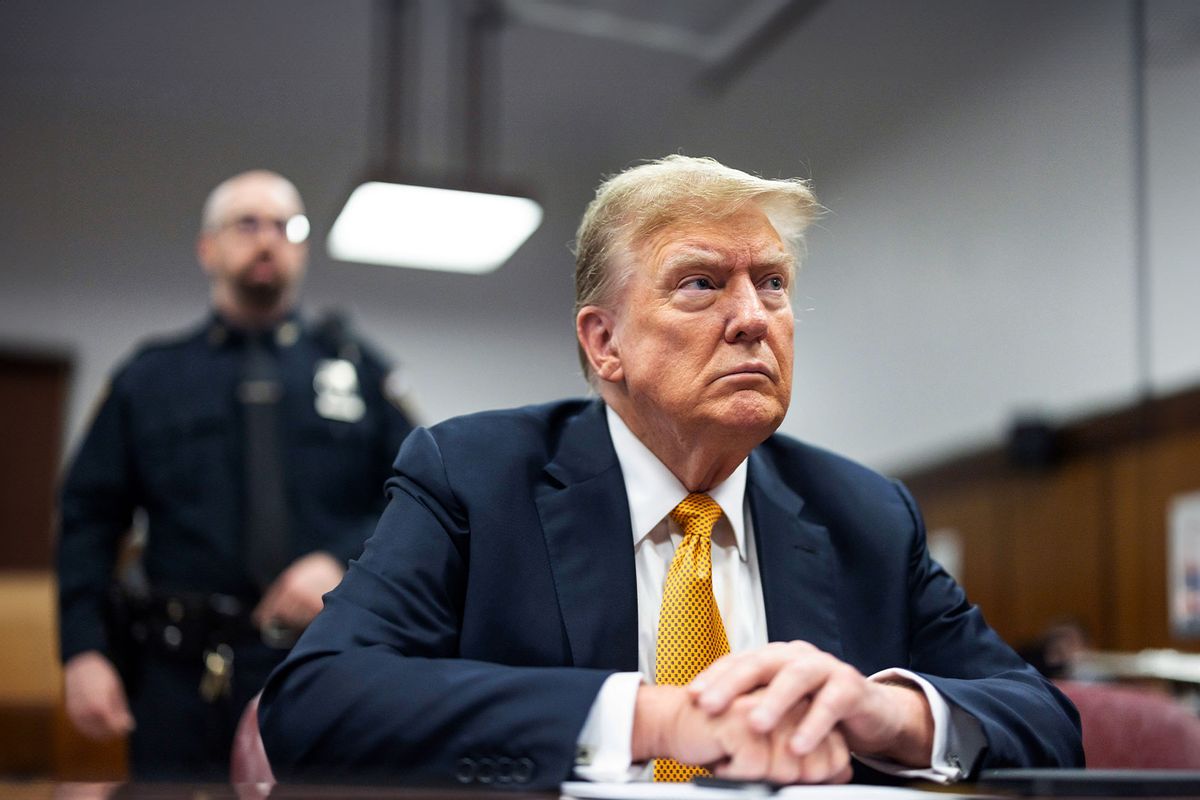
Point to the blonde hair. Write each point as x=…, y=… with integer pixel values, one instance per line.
x=633, y=204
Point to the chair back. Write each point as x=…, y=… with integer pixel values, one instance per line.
x=248, y=762
x=1126, y=727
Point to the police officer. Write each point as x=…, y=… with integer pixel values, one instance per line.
x=257, y=447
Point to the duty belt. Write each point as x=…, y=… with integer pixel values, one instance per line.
x=200, y=626
x=189, y=623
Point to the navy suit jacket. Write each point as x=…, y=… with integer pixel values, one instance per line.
x=497, y=594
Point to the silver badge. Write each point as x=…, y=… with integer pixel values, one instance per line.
x=336, y=384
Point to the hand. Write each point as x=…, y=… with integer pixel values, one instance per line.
x=667, y=724
x=84, y=791
x=891, y=721
x=95, y=698
x=295, y=597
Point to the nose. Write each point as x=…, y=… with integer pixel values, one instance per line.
x=746, y=319
x=270, y=232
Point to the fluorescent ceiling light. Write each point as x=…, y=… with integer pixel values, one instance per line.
x=400, y=225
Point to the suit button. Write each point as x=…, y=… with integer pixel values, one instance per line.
x=486, y=773
x=466, y=770
x=504, y=769
x=523, y=771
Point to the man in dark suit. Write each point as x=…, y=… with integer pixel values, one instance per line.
x=586, y=587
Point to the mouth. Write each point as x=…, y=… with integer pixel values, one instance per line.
x=750, y=371
x=262, y=270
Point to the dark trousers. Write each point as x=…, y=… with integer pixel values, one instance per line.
x=179, y=735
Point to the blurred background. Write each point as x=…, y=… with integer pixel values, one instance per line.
x=998, y=306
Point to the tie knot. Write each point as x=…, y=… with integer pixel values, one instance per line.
x=696, y=514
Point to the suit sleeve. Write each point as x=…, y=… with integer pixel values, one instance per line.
x=377, y=687
x=1025, y=719
x=96, y=508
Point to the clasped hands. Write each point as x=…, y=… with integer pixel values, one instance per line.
x=787, y=713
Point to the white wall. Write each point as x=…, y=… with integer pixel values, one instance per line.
x=976, y=157
x=977, y=259
x=1173, y=99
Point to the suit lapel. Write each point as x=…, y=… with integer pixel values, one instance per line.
x=796, y=562
x=585, y=519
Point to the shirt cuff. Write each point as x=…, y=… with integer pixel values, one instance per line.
x=604, y=750
x=958, y=738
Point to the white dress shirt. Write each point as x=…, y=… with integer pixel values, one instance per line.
x=653, y=491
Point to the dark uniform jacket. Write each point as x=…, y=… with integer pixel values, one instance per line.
x=167, y=438
x=470, y=639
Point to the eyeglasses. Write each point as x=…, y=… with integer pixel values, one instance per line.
x=294, y=229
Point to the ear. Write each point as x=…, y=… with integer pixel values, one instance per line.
x=595, y=328
x=204, y=247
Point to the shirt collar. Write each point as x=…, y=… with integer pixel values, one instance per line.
x=221, y=332
x=653, y=490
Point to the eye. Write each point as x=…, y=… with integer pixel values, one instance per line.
x=247, y=224
x=703, y=284
x=774, y=283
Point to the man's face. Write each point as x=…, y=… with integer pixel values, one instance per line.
x=255, y=268
x=702, y=332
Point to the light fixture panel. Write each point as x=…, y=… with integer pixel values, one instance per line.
x=422, y=227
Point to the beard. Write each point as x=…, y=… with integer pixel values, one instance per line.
x=260, y=293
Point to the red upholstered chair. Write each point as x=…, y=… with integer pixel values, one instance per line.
x=248, y=764
x=1130, y=728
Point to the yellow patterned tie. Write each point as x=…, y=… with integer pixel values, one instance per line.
x=690, y=633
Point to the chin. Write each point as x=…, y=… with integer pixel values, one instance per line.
x=261, y=297
x=755, y=414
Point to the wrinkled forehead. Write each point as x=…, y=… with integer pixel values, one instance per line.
x=746, y=232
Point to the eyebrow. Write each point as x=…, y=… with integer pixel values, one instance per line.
x=693, y=255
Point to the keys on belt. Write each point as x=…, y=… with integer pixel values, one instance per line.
x=217, y=680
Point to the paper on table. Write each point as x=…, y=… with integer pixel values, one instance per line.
x=582, y=790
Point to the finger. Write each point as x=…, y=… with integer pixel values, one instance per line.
x=306, y=611
x=827, y=760
x=95, y=723
x=738, y=675
x=119, y=716
x=268, y=606
x=792, y=684
x=710, y=674
x=744, y=672
x=125, y=723
x=832, y=703
x=749, y=761
x=88, y=725
x=786, y=766
x=291, y=613
x=845, y=775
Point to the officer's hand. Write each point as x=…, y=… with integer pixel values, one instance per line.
x=75, y=790
x=95, y=697
x=879, y=719
x=667, y=723
x=295, y=597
